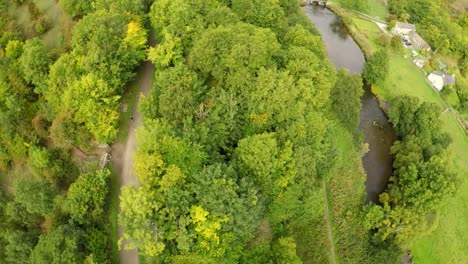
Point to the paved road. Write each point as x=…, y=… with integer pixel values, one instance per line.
x=122, y=153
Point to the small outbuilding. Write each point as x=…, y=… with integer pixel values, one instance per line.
x=440, y=79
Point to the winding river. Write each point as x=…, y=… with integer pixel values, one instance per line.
x=343, y=52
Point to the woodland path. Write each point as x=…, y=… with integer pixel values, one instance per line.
x=122, y=154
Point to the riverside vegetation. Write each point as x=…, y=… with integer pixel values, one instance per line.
x=246, y=120
x=438, y=237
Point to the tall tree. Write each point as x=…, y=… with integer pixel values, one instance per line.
x=346, y=98
x=376, y=69
x=35, y=63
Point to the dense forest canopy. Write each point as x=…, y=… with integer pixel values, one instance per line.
x=240, y=134
x=235, y=132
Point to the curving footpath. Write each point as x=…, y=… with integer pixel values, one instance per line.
x=122, y=153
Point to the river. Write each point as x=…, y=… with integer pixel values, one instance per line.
x=343, y=52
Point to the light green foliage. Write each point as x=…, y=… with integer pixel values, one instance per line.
x=138, y=208
x=86, y=197
x=92, y=102
x=35, y=63
x=36, y=197
x=285, y=251
x=14, y=49
x=59, y=246
x=167, y=53
x=300, y=37
x=271, y=167
x=157, y=137
x=346, y=98
x=183, y=20
x=39, y=157
x=376, y=69
x=226, y=52
x=63, y=73
x=355, y=4
x=262, y=13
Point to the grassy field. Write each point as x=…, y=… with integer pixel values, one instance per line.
x=377, y=8
x=449, y=241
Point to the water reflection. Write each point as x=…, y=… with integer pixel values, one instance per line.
x=343, y=52
x=339, y=28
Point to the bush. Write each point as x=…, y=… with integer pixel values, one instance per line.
x=40, y=29
x=376, y=68
x=397, y=43
x=384, y=40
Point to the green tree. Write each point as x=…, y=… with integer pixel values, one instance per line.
x=266, y=14
x=35, y=63
x=284, y=251
x=39, y=157
x=110, y=46
x=14, y=49
x=20, y=245
x=94, y=104
x=60, y=246
x=85, y=200
x=36, y=197
x=76, y=7
x=346, y=98
x=376, y=69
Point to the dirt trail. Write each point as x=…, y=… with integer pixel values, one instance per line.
x=122, y=153
x=327, y=219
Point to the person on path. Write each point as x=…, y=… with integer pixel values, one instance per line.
x=131, y=118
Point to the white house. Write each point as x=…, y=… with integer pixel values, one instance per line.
x=403, y=29
x=440, y=79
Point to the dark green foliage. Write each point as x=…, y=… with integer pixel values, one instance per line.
x=35, y=197
x=376, y=69
x=20, y=245
x=59, y=246
x=346, y=98
x=76, y=7
x=35, y=63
